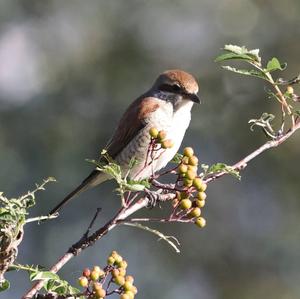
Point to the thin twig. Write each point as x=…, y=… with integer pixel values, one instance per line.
x=142, y=203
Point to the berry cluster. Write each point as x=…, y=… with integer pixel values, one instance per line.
x=190, y=201
x=159, y=137
x=97, y=282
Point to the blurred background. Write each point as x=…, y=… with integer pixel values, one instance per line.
x=68, y=69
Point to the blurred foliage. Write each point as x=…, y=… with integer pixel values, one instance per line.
x=68, y=69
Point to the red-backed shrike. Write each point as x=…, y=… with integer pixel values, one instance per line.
x=166, y=106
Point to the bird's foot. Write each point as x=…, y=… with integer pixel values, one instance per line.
x=154, y=198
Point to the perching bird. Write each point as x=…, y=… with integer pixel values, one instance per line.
x=166, y=106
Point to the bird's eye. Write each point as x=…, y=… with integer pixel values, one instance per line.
x=170, y=88
x=176, y=87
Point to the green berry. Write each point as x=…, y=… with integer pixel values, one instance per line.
x=290, y=89
x=185, y=204
x=83, y=281
x=110, y=260
x=119, y=280
x=193, y=161
x=197, y=183
x=191, y=174
x=200, y=203
x=115, y=272
x=134, y=290
x=201, y=222
x=195, y=212
x=201, y=195
x=127, y=286
x=94, y=275
x=100, y=293
x=167, y=144
x=123, y=264
x=129, y=278
x=153, y=132
x=182, y=168
x=122, y=271
x=130, y=294
x=188, y=152
x=162, y=135
x=187, y=182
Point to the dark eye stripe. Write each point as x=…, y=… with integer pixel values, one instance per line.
x=170, y=88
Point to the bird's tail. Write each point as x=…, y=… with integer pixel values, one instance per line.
x=94, y=179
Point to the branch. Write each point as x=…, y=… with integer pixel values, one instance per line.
x=242, y=164
x=124, y=212
x=87, y=241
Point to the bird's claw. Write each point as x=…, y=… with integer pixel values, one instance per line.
x=153, y=198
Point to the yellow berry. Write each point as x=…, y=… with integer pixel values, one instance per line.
x=188, y=152
x=201, y=195
x=129, y=278
x=195, y=212
x=201, y=222
x=187, y=182
x=100, y=293
x=200, y=203
x=122, y=271
x=167, y=144
x=197, y=183
x=94, y=275
x=123, y=264
x=162, y=135
x=153, y=132
x=115, y=272
x=83, y=281
x=119, y=280
x=127, y=286
x=290, y=89
x=190, y=174
x=185, y=204
x=203, y=187
x=110, y=260
x=130, y=294
x=182, y=168
x=134, y=290
x=193, y=161
x=194, y=168
x=185, y=160
x=124, y=296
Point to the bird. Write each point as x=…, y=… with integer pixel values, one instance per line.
x=166, y=106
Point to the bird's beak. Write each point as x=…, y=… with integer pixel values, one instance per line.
x=194, y=98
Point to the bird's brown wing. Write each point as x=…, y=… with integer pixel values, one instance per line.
x=133, y=120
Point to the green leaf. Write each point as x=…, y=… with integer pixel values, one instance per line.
x=169, y=239
x=253, y=73
x=43, y=275
x=222, y=167
x=254, y=54
x=4, y=285
x=297, y=112
x=231, y=56
x=274, y=65
x=177, y=158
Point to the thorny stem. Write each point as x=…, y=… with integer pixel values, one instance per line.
x=124, y=212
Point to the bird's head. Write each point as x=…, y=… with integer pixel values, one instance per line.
x=177, y=86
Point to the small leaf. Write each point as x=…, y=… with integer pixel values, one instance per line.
x=253, y=73
x=222, y=167
x=4, y=285
x=43, y=275
x=158, y=233
x=230, y=56
x=254, y=54
x=177, y=158
x=274, y=65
